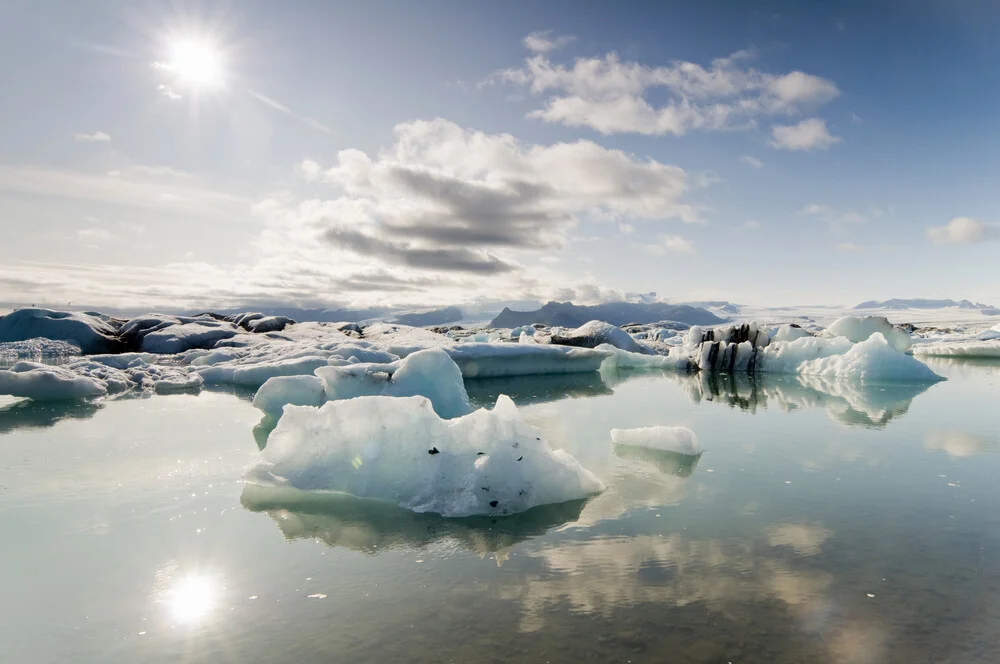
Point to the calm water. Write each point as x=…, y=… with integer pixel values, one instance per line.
x=823, y=524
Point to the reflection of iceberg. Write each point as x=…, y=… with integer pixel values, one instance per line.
x=543, y=388
x=847, y=401
x=372, y=526
x=28, y=414
x=671, y=463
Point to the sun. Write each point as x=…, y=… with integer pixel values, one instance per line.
x=195, y=64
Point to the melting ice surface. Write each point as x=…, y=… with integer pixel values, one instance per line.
x=826, y=521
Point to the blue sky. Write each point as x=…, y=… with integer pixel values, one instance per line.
x=322, y=154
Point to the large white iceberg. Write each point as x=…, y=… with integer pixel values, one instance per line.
x=92, y=332
x=874, y=360
x=399, y=450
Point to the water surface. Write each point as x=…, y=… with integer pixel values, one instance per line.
x=823, y=523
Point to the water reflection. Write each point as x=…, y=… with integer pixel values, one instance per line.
x=525, y=390
x=957, y=444
x=371, y=526
x=724, y=575
x=189, y=598
x=671, y=463
x=28, y=414
x=848, y=402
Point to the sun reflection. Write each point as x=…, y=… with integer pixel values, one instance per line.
x=192, y=598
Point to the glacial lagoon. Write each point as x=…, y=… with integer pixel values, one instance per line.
x=824, y=522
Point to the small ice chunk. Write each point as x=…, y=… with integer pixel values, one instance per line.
x=487, y=462
x=679, y=440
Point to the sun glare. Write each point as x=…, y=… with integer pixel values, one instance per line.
x=192, y=598
x=196, y=64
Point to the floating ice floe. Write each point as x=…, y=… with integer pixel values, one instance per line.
x=985, y=344
x=494, y=360
x=621, y=359
x=679, y=440
x=399, y=450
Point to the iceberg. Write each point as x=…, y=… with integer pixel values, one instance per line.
x=857, y=329
x=872, y=360
x=90, y=332
x=597, y=333
x=623, y=359
x=429, y=373
x=44, y=382
x=397, y=449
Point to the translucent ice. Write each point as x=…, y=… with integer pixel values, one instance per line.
x=400, y=450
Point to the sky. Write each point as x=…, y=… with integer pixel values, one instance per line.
x=184, y=155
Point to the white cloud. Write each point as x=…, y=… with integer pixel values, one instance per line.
x=840, y=219
x=963, y=230
x=168, y=92
x=673, y=244
x=309, y=170
x=610, y=95
x=544, y=42
x=809, y=134
x=856, y=119
x=92, y=237
x=95, y=137
x=815, y=208
x=751, y=161
x=143, y=187
x=440, y=215
x=752, y=224
x=441, y=185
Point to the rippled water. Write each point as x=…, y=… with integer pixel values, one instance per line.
x=823, y=523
